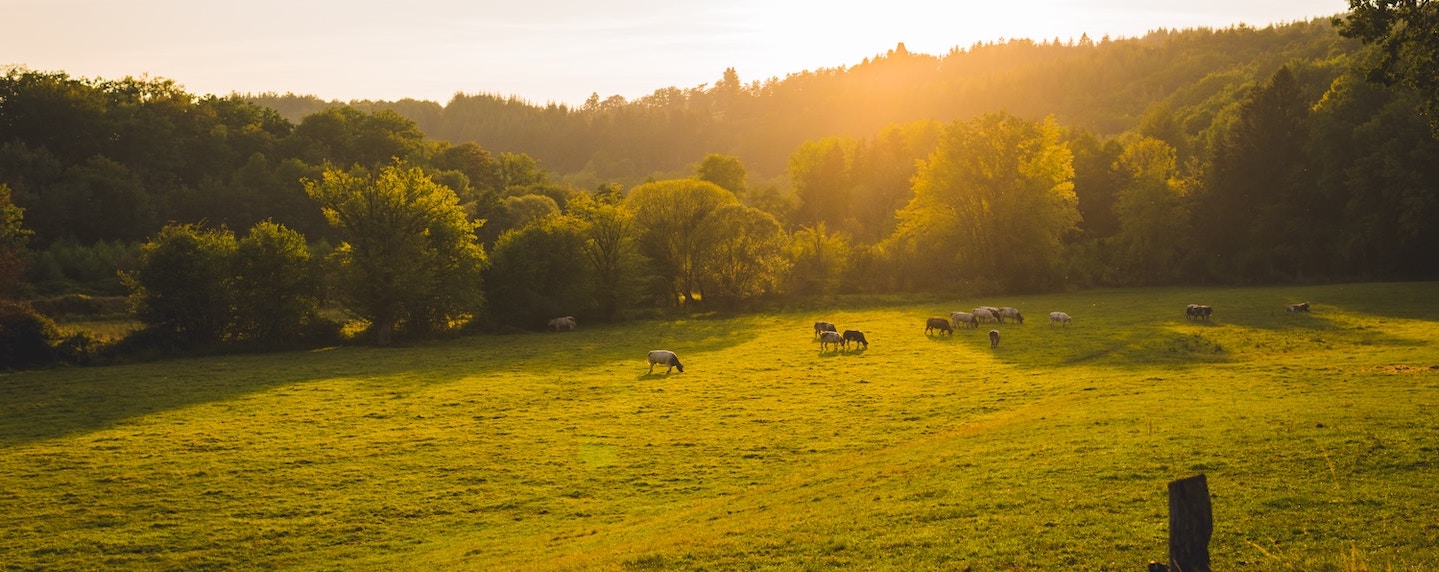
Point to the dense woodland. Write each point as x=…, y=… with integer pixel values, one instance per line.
x=1239, y=155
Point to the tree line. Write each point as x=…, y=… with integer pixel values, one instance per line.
x=1310, y=172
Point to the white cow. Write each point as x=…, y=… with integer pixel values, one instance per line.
x=964, y=318
x=665, y=357
x=1059, y=318
x=562, y=322
x=830, y=338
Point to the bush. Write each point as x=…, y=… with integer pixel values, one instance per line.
x=26, y=337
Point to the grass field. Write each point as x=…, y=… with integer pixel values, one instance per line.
x=1318, y=434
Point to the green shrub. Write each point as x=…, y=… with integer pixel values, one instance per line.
x=26, y=337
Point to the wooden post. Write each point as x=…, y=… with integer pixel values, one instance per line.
x=1191, y=523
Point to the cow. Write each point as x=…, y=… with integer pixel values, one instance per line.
x=1059, y=318
x=994, y=338
x=1011, y=313
x=985, y=315
x=820, y=327
x=565, y=322
x=940, y=324
x=1300, y=307
x=827, y=339
x=1198, y=312
x=665, y=357
x=855, y=336
x=964, y=318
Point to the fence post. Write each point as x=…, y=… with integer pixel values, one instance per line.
x=1191, y=523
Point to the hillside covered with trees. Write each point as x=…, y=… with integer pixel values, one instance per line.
x=1240, y=155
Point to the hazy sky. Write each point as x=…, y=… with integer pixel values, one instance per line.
x=547, y=50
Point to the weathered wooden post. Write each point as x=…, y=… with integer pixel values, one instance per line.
x=1191, y=523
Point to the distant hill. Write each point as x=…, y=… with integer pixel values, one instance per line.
x=1102, y=86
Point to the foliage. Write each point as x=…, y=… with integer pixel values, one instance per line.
x=746, y=259
x=727, y=171
x=610, y=250
x=820, y=259
x=1406, y=35
x=13, y=236
x=993, y=202
x=27, y=338
x=541, y=271
x=1154, y=219
x=66, y=265
x=181, y=287
x=670, y=216
x=276, y=286
x=409, y=254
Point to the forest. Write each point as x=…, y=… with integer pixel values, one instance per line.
x=1200, y=156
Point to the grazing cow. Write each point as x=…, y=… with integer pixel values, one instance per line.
x=565, y=322
x=964, y=318
x=1300, y=307
x=855, y=336
x=665, y=357
x=830, y=338
x=939, y=324
x=986, y=315
x=994, y=338
x=1059, y=318
x=1011, y=313
x=1198, y=312
x=820, y=327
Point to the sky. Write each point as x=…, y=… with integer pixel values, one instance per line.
x=547, y=51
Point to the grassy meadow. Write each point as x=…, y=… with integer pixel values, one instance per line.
x=1318, y=434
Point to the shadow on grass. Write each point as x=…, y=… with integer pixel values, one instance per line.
x=40, y=405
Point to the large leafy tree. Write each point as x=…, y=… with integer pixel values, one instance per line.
x=1406, y=33
x=746, y=258
x=539, y=272
x=182, y=287
x=409, y=255
x=1250, y=213
x=670, y=216
x=610, y=249
x=992, y=204
x=276, y=285
x=1153, y=219
x=727, y=171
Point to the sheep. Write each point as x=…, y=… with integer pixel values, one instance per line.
x=964, y=318
x=665, y=357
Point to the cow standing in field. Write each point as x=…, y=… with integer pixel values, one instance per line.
x=964, y=318
x=562, y=322
x=665, y=357
x=827, y=339
x=855, y=336
x=1011, y=313
x=1059, y=318
x=994, y=338
x=937, y=324
x=985, y=315
x=1198, y=312
x=821, y=327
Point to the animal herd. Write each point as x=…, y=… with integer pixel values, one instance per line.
x=830, y=337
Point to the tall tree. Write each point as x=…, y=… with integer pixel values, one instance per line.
x=1153, y=219
x=1250, y=214
x=410, y=256
x=1406, y=33
x=671, y=215
x=181, y=286
x=276, y=285
x=746, y=258
x=724, y=170
x=992, y=204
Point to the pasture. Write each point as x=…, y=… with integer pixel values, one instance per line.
x=556, y=451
